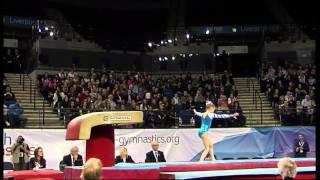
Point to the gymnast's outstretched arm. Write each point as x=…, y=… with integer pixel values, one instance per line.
x=197, y=113
x=222, y=116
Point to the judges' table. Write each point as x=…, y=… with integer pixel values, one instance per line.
x=34, y=174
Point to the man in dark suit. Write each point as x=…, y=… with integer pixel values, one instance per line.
x=155, y=155
x=301, y=147
x=73, y=159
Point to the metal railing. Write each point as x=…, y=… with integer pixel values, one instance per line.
x=166, y=119
x=295, y=116
x=255, y=97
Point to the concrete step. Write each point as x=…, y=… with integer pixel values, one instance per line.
x=37, y=108
x=244, y=103
x=45, y=124
x=16, y=82
x=264, y=113
x=258, y=118
x=49, y=119
x=246, y=89
x=36, y=115
x=38, y=102
x=247, y=92
x=17, y=79
x=26, y=91
x=246, y=84
x=251, y=101
x=249, y=107
x=258, y=115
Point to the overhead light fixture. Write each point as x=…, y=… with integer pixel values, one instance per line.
x=207, y=32
x=234, y=30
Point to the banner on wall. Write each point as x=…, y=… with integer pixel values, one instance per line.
x=185, y=145
x=51, y=140
x=177, y=144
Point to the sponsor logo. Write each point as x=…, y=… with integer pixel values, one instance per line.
x=117, y=118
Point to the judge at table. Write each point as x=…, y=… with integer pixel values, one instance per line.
x=123, y=156
x=155, y=155
x=74, y=158
x=38, y=161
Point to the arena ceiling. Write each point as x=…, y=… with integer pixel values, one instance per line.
x=133, y=22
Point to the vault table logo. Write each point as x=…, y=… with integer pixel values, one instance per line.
x=117, y=118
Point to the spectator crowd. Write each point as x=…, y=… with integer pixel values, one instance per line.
x=291, y=90
x=12, y=109
x=73, y=93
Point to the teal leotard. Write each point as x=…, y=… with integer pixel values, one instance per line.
x=207, y=120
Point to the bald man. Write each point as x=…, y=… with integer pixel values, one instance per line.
x=74, y=158
x=155, y=155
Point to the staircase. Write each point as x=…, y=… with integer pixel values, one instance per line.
x=33, y=112
x=253, y=110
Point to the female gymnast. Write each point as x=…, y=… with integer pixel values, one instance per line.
x=206, y=119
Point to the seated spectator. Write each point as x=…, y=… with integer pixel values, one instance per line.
x=223, y=103
x=308, y=107
x=62, y=75
x=5, y=116
x=123, y=156
x=299, y=112
x=300, y=92
x=287, y=168
x=91, y=169
x=73, y=159
x=9, y=97
x=286, y=114
x=15, y=114
x=38, y=161
x=190, y=103
x=58, y=98
x=241, y=119
x=4, y=85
